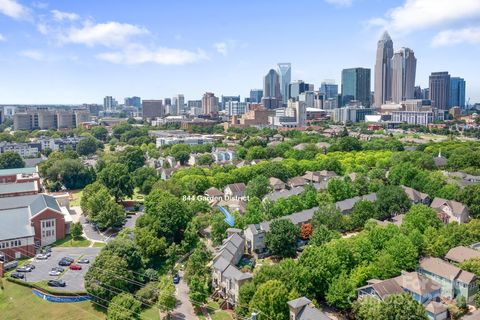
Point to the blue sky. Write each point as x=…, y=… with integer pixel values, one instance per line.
x=67, y=51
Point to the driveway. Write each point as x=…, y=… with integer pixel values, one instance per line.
x=73, y=278
x=184, y=309
x=93, y=234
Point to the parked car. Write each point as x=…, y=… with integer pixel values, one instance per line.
x=176, y=279
x=75, y=267
x=58, y=269
x=64, y=263
x=56, y=283
x=41, y=256
x=68, y=259
x=24, y=269
x=83, y=260
x=17, y=275
x=54, y=273
x=28, y=265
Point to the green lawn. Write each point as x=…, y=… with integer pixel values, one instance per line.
x=77, y=196
x=99, y=244
x=18, y=303
x=221, y=315
x=150, y=314
x=69, y=242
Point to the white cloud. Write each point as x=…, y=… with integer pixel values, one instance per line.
x=39, y=5
x=457, y=36
x=61, y=16
x=33, y=54
x=423, y=14
x=2, y=38
x=341, y=3
x=14, y=9
x=138, y=54
x=110, y=34
x=221, y=47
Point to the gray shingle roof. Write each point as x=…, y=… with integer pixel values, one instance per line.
x=233, y=273
x=42, y=202
x=298, y=303
x=296, y=218
x=460, y=254
x=446, y=270
x=15, y=224
x=9, y=188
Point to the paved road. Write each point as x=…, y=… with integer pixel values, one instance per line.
x=184, y=309
x=92, y=234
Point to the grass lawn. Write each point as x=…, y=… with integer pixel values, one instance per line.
x=18, y=302
x=69, y=242
x=99, y=244
x=137, y=196
x=221, y=315
x=77, y=196
x=150, y=314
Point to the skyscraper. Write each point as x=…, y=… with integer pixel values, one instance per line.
x=210, y=104
x=330, y=89
x=153, y=108
x=272, y=97
x=256, y=95
x=297, y=87
x=109, y=103
x=356, y=86
x=133, y=102
x=440, y=89
x=285, y=72
x=383, y=70
x=457, y=92
x=404, y=67
x=226, y=99
x=179, y=105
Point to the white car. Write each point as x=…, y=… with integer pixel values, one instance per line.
x=41, y=256
x=54, y=273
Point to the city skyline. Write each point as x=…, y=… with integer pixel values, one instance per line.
x=67, y=52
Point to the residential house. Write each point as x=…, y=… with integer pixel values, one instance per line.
x=440, y=161
x=461, y=179
x=285, y=193
x=223, y=155
x=318, y=176
x=396, y=220
x=255, y=233
x=346, y=206
x=234, y=204
x=460, y=254
x=276, y=184
x=214, y=193
x=235, y=190
x=449, y=210
x=226, y=277
x=454, y=281
x=166, y=173
x=415, y=196
x=421, y=288
x=303, y=309
x=296, y=182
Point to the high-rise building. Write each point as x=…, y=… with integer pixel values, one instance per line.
x=235, y=108
x=109, y=103
x=440, y=89
x=153, y=109
x=457, y=92
x=383, y=70
x=329, y=89
x=404, y=67
x=307, y=97
x=296, y=88
x=426, y=93
x=285, y=72
x=210, y=104
x=167, y=101
x=133, y=102
x=178, y=105
x=356, y=86
x=226, y=99
x=256, y=95
x=272, y=97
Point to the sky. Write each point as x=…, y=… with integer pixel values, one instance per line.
x=78, y=51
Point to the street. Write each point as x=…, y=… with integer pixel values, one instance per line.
x=184, y=309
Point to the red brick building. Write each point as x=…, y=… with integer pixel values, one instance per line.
x=30, y=222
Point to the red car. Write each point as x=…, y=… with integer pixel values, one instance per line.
x=75, y=267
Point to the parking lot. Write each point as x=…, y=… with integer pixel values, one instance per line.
x=73, y=278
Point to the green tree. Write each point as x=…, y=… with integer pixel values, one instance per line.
x=219, y=227
x=246, y=293
x=362, y=211
x=470, y=195
x=166, y=215
x=271, y=299
x=100, y=133
x=76, y=230
x=205, y=159
x=133, y=157
x=166, y=297
x=115, y=176
x=258, y=187
x=10, y=159
x=341, y=292
x=328, y=216
x=144, y=178
x=421, y=217
x=340, y=189
x=282, y=238
x=321, y=235
x=392, y=200
x=98, y=205
x=87, y=146
x=181, y=153
x=124, y=307
x=394, y=307
x=103, y=274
